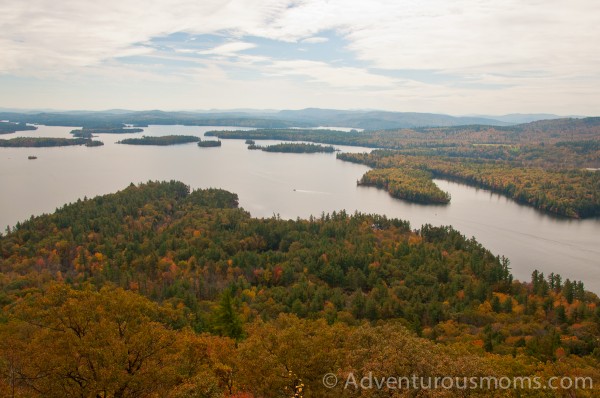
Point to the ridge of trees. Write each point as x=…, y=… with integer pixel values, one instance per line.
x=288, y=147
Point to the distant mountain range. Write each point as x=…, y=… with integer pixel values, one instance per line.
x=380, y=120
x=518, y=118
x=310, y=117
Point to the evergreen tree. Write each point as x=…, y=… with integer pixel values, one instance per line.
x=507, y=306
x=496, y=307
x=568, y=291
x=226, y=321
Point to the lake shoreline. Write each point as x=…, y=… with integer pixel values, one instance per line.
x=291, y=186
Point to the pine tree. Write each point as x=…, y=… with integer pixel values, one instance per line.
x=226, y=321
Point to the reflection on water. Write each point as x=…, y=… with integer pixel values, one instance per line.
x=289, y=185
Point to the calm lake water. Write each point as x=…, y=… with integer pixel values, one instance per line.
x=291, y=185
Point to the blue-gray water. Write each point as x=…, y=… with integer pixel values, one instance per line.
x=291, y=185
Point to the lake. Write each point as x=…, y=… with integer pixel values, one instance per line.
x=290, y=185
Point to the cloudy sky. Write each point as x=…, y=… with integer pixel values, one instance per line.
x=448, y=56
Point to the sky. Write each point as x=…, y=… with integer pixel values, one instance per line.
x=457, y=57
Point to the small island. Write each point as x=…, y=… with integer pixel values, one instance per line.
x=209, y=143
x=31, y=157
x=411, y=184
x=160, y=141
x=92, y=143
x=89, y=132
x=9, y=128
x=40, y=142
x=289, y=147
x=82, y=134
x=250, y=142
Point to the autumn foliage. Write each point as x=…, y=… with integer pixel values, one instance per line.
x=157, y=291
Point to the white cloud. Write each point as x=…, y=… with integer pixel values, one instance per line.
x=321, y=72
x=44, y=34
x=480, y=36
x=228, y=48
x=315, y=40
x=473, y=35
x=536, y=50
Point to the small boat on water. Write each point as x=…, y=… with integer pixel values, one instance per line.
x=31, y=157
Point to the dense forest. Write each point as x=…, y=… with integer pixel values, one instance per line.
x=38, y=142
x=288, y=147
x=161, y=141
x=561, y=155
x=159, y=291
x=8, y=127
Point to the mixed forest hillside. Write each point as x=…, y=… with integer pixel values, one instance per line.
x=534, y=133
x=159, y=291
x=567, y=192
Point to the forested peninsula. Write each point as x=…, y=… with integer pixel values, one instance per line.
x=159, y=290
x=39, y=142
x=571, y=193
x=9, y=128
